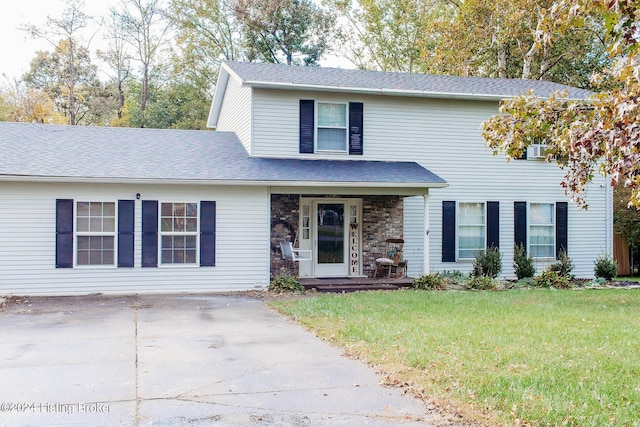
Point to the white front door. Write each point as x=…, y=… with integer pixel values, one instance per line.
x=330, y=239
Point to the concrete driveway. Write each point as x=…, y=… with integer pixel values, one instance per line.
x=181, y=360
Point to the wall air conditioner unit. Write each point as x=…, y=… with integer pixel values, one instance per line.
x=536, y=151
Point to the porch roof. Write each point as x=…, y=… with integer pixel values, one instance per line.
x=366, y=172
x=33, y=152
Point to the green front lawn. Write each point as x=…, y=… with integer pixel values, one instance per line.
x=538, y=357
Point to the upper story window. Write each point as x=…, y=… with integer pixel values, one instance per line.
x=95, y=233
x=471, y=229
x=332, y=127
x=542, y=230
x=179, y=233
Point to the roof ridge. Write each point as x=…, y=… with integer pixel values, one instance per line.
x=393, y=82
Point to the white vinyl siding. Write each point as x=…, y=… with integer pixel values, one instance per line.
x=413, y=250
x=235, y=113
x=445, y=137
x=28, y=246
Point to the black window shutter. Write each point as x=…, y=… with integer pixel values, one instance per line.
x=448, y=231
x=126, y=221
x=307, y=127
x=64, y=233
x=149, y=233
x=356, y=117
x=207, y=234
x=493, y=224
x=562, y=229
x=524, y=155
x=520, y=223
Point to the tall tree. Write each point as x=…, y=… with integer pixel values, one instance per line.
x=146, y=29
x=70, y=54
x=600, y=134
x=176, y=105
x=389, y=35
x=498, y=39
x=207, y=33
x=19, y=103
x=626, y=219
x=284, y=31
x=69, y=78
x=117, y=58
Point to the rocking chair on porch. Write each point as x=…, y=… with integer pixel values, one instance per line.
x=294, y=254
x=392, y=261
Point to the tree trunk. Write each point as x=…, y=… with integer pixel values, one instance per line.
x=144, y=92
x=502, y=61
x=528, y=59
x=72, y=84
x=545, y=63
x=120, y=99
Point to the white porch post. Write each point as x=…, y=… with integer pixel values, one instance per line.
x=426, y=234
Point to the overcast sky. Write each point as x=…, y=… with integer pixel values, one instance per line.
x=17, y=49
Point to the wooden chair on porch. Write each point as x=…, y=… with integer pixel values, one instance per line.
x=392, y=261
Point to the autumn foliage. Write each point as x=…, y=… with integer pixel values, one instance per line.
x=600, y=134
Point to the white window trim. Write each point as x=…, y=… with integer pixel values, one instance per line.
x=484, y=214
x=553, y=228
x=77, y=233
x=173, y=233
x=316, y=126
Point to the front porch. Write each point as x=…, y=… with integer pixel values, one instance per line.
x=364, y=222
x=355, y=284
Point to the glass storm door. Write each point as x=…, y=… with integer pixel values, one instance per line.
x=330, y=239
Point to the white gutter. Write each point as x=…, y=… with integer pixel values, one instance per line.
x=164, y=181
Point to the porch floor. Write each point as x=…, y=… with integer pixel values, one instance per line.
x=354, y=284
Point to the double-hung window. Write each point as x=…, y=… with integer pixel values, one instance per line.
x=179, y=233
x=542, y=230
x=95, y=233
x=332, y=127
x=471, y=229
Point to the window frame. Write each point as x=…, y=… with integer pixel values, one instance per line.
x=552, y=226
x=317, y=127
x=185, y=233
x=459, y=225
x=89, y=233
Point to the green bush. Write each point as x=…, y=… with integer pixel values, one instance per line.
x=605, y=267
x=526, y=282
x=481, y=283
x=454, y=277
x=564, y=265
x=552, y=279
x=285, y=284
x=428, y=281
x=594, y=283
x=488, y=263
x=523, y=263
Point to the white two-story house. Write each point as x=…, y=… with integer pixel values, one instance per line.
x=334, y=161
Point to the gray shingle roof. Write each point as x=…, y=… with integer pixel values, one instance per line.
x=320, y=78
x=123, y=154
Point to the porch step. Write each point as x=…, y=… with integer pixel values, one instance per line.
x=355, y=288
x=355, y=284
